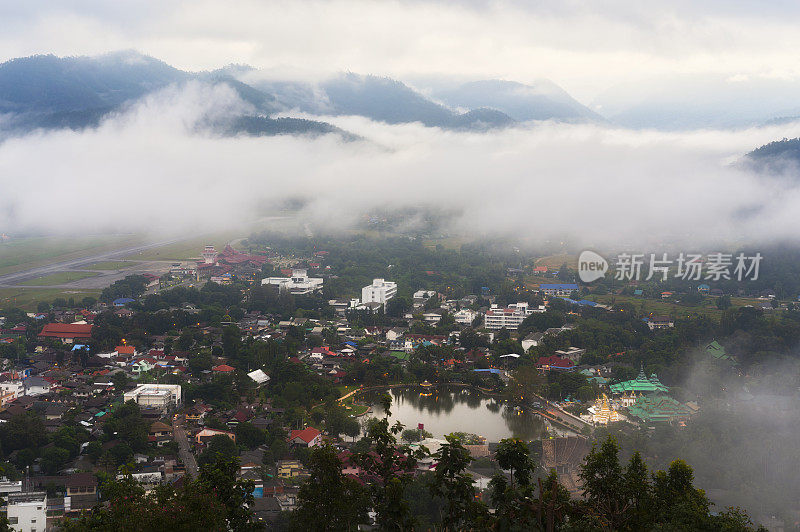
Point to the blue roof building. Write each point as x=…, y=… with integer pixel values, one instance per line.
x=559, y=289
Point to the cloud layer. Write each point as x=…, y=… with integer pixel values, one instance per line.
x=154, y=167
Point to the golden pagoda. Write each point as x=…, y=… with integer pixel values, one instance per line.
x=603, y=412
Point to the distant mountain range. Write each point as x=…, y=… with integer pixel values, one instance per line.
x=543, y=100
x=49, y=92
x=688, y=102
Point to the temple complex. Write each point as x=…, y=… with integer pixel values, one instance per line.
x=641, y=385
x=602, y=411
x=658, y=407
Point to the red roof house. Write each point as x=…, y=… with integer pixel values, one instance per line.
x=222, y=368
x=67, y=331
x=308, y=437
x=555, y=362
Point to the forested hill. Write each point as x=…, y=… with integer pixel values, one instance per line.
x=779, y=156
x=50, y=92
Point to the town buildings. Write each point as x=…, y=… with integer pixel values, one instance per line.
x=162, y=396
x=298, y=284
x=558, y=290
x=380, y=291
x=67, y=332
x=27, y=512
x=509, y=318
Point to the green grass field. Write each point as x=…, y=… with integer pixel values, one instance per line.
x=554, y=262
x=59, y=278
x=110, y=265
x=21, y=254
x=186, y=249
x=27, y=298
x=669, y=308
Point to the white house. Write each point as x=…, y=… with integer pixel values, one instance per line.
x=431, y=317
x=395, y=333
x=156, y=395
x=36, y=386
x=510, y=318
x=380, y=291
x=465, y=316
x=259, y=376
x=534, y=339
x=422, y=296
x=660, y=322
x=27, y=512
x=299, y=283
x=12, y=390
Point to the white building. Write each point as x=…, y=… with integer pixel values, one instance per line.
x=465, y=316
x=259, y=376
x=510, y=318
x=36, y=386
x=11, y=390
x=660, y=322
x=432, y=317
x=27, y=512
x=299, y=283
x=155, y=395
x=534, y=339
x=422, y=296
x=380, y=291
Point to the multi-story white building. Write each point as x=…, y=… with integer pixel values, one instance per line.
x=299, y=283
x=155, y=395
x=11, y=390
x=465, y=316
x=510, y=318
x=380, y=291
x=27, y=512
x=558, y=289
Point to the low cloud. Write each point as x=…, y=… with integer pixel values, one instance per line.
x=156, y=167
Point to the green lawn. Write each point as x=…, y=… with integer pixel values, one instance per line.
x=110, y=265
x=667, y=307
x=27, y=298
x=186, y=249
x=554, y=262
x=24, y=253
x=59, y=278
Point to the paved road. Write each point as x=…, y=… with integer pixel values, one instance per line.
x=183, y=448
x=17, y=278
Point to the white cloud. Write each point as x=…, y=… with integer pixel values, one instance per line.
x=149, y=168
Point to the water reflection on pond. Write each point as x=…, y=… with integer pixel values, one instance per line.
x=449, y=409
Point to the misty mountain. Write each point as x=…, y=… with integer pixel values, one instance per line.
x=777, y=157
x=381, y=99
x=542, y=101
x=50, y=92
x=260, y=126
x=45, y=83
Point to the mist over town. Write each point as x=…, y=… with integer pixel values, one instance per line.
x=401, y=265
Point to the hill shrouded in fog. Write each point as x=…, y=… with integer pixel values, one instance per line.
x=50, y=92
x=541, y=101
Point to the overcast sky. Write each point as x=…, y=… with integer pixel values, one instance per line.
x=586, y=47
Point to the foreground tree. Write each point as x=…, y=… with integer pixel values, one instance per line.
x=389, y=468
x=328, y=500
x=618, y=498
x=452, y=483
x=215, y=501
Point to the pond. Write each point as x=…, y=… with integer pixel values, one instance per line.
x=446, y=409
